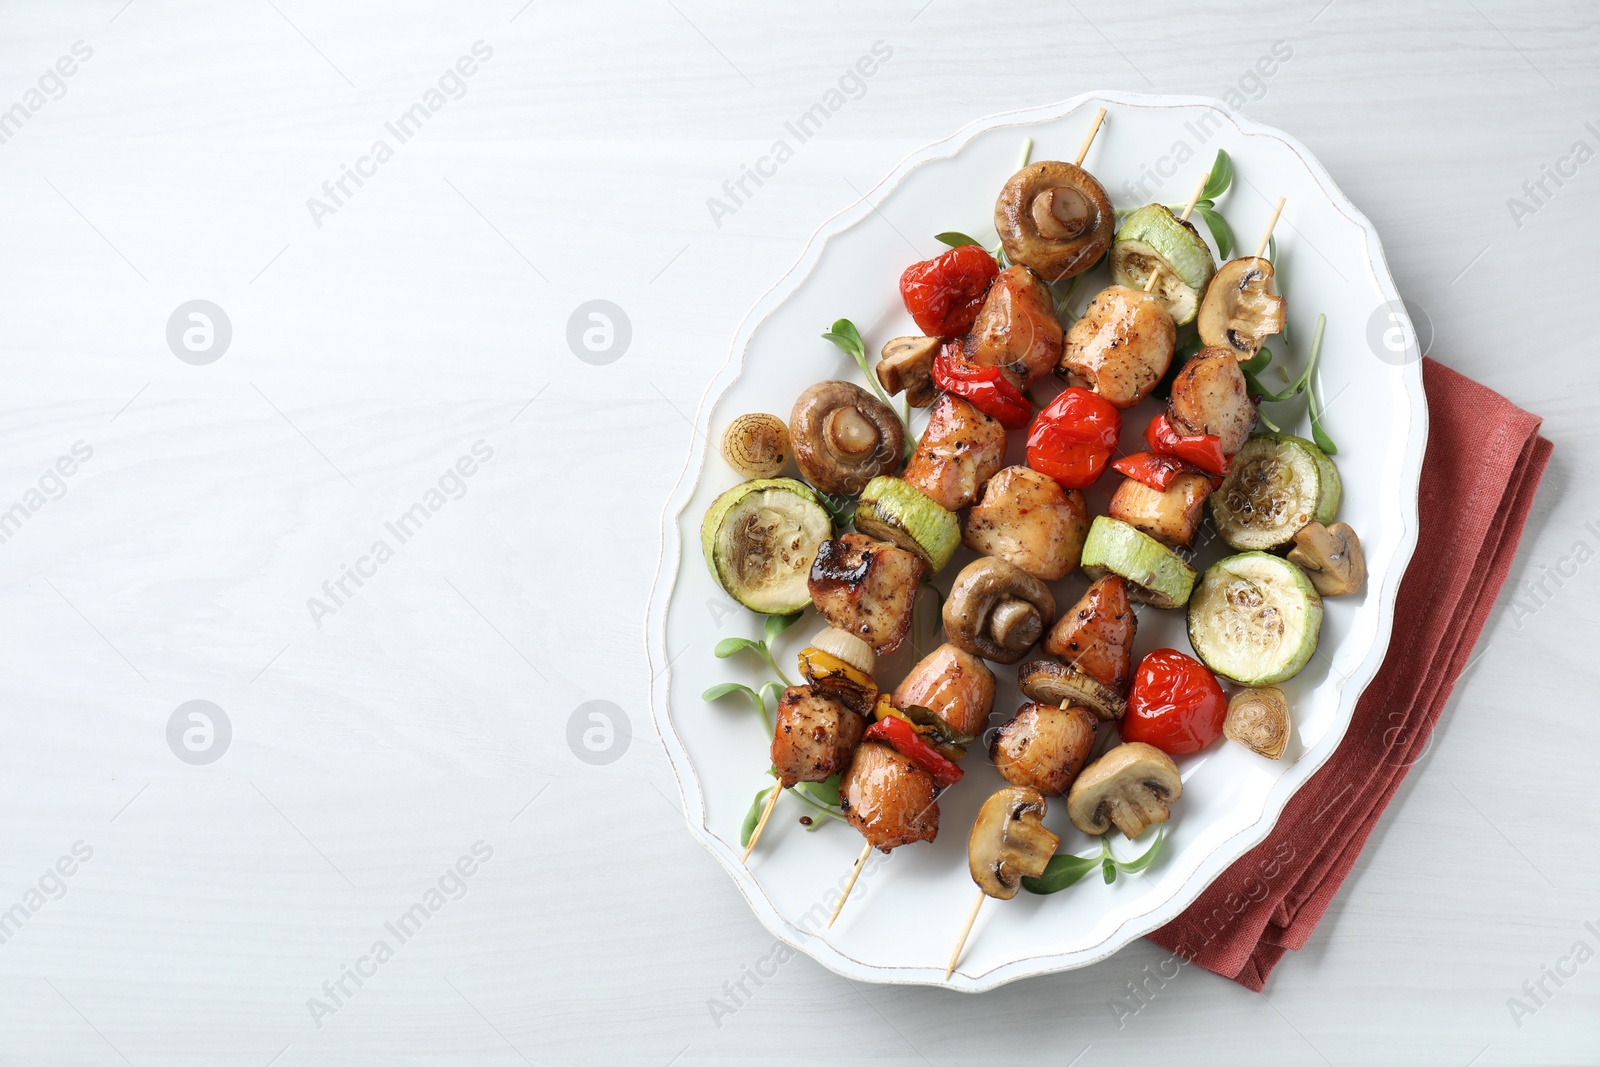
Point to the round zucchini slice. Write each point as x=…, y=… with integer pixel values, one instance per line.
x=896, y=511
x=1154, y=240
x=1156, y=575
x=760, y=538
x=1255, y=618
x=1278, y=483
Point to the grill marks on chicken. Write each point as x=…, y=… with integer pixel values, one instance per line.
x=813, y=737
x=1121, y=346
x=888, y=798
x=867, y=588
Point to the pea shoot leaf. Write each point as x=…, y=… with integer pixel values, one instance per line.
x=753, y=816
x=717, y=692
x=730, y=646
x=955, y=239
x=776, y=624
x=1061, y=872
x=1139, y=863
x=1221, y=232
x=1220, y=178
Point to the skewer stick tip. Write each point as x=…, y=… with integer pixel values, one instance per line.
x=961, y=942
x=855, y=872
x=766, y=813
x=1272, y=222
x=1099, y=117
x=1195, y=199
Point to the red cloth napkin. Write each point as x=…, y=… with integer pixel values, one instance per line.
x=1483, y=463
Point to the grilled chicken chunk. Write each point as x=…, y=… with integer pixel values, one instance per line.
x=953, y=684
x=1017, y=328
x=1096, y=635
x=1170, y=515
x=1044, y=747
x=1028, y=520
x=866, y=588
x=1208, y=396
x=1121, y=346
x=888, y=798
x=961, y=449
x=813, y=737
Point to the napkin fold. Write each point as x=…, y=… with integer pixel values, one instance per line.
x=1482, y=466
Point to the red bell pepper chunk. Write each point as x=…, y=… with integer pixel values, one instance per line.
x=1203, y=450
x=1152, y=468
x=945, y=293
x=986, y=388
x=906, y=741
x=1073, y=437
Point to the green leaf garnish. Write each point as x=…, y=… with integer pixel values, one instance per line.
x=729, y=646
x=776, y=624
x=1063, y=871
x=955, y=239
x=1221, y=232
x=753, y=816
x=1220, y=178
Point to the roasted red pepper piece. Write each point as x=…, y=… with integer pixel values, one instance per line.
x=944, y=293
x=1176, y=704
x=1158, y=471
x=1073, y=437
x=986, y=388
x=1203, y=450
x=906, y=741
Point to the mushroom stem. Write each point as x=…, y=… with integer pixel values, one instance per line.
x=972, y=916
x=1015, y=624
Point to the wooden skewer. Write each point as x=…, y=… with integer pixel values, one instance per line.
x=1099, y=116
x=1193, y=200
x=961, y=942
x=855, y=872
x=766, y=813
x=1273, y=221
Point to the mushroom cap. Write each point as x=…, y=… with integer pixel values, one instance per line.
x=1239, y=310
x=1054, y=218
x=1331, y=556
x=997, y=610
x=844, y=437
x=1044, y=747
x=1050, y=682
x=1129, y=787
x=1009, y=842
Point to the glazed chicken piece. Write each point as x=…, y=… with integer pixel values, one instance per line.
x=953, y=684
x=1096, y=635
x=888, y=798
x=1028, y=520
x=1170, y=515
x=867, y=588
x=1017, y=328
x=813, y=737
x=1121, y=346
x=1044, y=747
x=961, y=449
x=1208, y=396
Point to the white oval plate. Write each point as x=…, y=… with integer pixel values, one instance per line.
x=903, y=917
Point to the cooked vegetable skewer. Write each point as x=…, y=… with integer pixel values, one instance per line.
x=1008, y=843
x=1155, y=275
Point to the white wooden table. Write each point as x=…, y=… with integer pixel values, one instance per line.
x=396, y=765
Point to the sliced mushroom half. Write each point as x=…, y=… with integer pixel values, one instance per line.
x=1240, y=311
x=1130, y=787
x=844, y=437
x=1009, y=841
x=1055, y=219
x=1049, y=682
x=997, y=610
x=1331, y=557
x=907, y=365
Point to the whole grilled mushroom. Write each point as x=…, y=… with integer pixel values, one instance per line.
x=1009, y=842
x=844, y=437
x=997, y=610
x=1054, y=218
